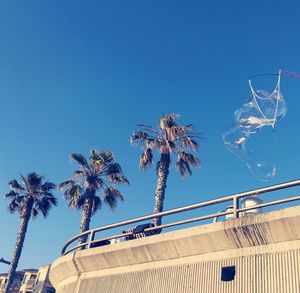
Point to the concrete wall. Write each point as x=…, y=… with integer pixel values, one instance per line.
x=17, y=281
x=264, y=248
x=43, y=284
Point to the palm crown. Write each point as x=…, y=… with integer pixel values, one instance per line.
x=29, y=198
x=99, y=172
x=170, y=137
x=31, y=192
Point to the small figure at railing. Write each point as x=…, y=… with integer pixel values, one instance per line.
x=139, y=231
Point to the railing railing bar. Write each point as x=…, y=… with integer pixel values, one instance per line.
x=281, y=201
x=269, y=188
x=74, y=248
x=152, y=216
x=98, y=240
x=271, y=203
x=291, y=199
x=197, y=219
x=234, y=197
x=166, y=213
x=166, y=226
x=77, y=237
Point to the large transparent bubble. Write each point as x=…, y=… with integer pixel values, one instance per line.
x=263, y=109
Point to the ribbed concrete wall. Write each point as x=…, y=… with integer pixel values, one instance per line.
x=272, y=273
x=264, y=248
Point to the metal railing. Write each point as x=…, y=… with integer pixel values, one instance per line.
x=234, y=212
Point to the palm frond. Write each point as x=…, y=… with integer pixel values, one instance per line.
x=119, y=179
x=188, y=142
x=152, y=143
x=14, y=205
x=176, y=132
x=78, y=202
x=98, y=183
x=111, y=197
x=26, y=183
x=172, y=146
x=115, y=174
x=11, y=194
x=113, y=168
x=190, y=159
x=183, y=167
x=77, y=174
x=185, y=161
x=65, y=184
x=147, y=128
x=73, y=191
x=15, y=185
x=81, y=160
x=44, y=203
x=168, y=121
x=34, y=213
x=47, y=186
x=139, y=136
x=104, y=157
x=97, y=203
x=34, y=180
x=146, y=158
x=74, y=195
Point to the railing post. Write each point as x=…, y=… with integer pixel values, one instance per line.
x=235, y=207
x=91, y=238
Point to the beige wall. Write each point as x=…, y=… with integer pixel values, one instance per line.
x=28, y=282
x=42, y=283
x=16, y=282
x=264, y=248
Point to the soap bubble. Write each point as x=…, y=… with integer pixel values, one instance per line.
x=260, y=165
x=261, y=110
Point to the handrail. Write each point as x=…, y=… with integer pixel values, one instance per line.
x=235, y=212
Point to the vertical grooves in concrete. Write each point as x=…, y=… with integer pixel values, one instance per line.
x=267, y=273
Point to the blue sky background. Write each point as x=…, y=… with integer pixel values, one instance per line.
x=80, y=74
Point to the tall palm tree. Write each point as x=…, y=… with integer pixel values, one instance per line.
x=100, y=172
x=28, y=198
x=170, y=137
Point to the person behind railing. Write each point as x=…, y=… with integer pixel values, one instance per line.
x=139, y=231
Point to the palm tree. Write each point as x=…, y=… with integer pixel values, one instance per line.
x=29, y=198
x=101, y=172
x=170, y=137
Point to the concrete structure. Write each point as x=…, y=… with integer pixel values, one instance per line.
x=28, y=281
x=17, y=282
x=255, y=254
x=42, y=283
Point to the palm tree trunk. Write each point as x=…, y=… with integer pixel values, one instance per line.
x=85, y=219
x=162, y=175
x=19, y=246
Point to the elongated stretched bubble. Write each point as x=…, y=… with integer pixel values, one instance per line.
x=263, y=109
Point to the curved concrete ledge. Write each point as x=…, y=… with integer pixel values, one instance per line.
x=263, y=234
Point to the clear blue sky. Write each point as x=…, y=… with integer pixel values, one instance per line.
x=79, y=74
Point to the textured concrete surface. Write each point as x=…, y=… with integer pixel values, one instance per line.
x=264, y=246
